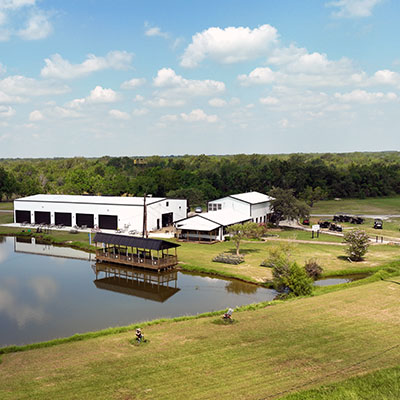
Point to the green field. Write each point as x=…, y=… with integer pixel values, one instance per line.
x=372, y=205
x=6, y=205
x=268, y=353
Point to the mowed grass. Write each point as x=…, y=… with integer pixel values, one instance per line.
x=6, y=218
x=371, y=205
x=268, y=353
x=5, y=205
x=332, y=258
x=383, y=384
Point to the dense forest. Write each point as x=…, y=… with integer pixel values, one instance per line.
x=201, y=178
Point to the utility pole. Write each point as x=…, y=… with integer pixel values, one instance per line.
x=144, y=234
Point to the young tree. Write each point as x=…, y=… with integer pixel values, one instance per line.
x=286, y=206
x=310, y=195
x=238, y=232
x=357, y=244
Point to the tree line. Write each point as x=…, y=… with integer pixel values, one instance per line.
x=202, y=178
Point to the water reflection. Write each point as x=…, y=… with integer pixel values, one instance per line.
x=237, y=287
x=155, y=286
x=34, y=246
x=42, y=298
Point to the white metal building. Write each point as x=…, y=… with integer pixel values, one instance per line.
x=105, y=212
x=230, y=210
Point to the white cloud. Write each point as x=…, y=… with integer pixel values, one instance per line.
x=15, y=4
x=364, y=97
x=3, y=68
x=353, y=8
x=261, y=76
x=97, y=96
x=102, y=95
x=62, y=112
x=7, y=99
x=175, y=85
x=133, y=83
x=198, y=115
x=156, y=31
x=217, y=102
x=165, y=102
x=229, y=45
x=36, y=116
x=284, y=123
x=6, y=111
x=386, y=77
x=20, y=85
x=138, y=98
x=37, y=27
x=57, y=67
x=138, y=112
x=117, y=114
x=269, y=101
x=169, y=118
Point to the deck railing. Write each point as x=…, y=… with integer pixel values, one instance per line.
x=137, y=261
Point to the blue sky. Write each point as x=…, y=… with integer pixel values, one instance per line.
x=100, y=77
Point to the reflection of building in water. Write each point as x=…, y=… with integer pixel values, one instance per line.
x=148, y=285
x=33, y=246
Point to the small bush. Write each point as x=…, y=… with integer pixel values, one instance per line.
x=358, y=243
x=313, y=269
x=228, y=259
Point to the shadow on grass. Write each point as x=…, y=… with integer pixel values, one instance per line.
x=243, y=251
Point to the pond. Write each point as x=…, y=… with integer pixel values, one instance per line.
x=339, y=279
x=48, y=292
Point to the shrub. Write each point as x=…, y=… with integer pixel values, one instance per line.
x=313, y=269
x=292, y=278
x=228, y=259
x=358, y=243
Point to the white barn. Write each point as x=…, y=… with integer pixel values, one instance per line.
x=105, y=212
x=229, y=210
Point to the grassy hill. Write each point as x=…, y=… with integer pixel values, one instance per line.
x=269, y=353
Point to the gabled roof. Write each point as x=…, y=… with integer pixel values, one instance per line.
x=252, y=197
x=111, y=200
x=133, y=241
x=212, y=220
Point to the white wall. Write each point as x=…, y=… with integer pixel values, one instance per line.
x=229, y=203
x=127, y=215
x=260, y=210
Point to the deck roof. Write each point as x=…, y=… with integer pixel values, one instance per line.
x=133, y=241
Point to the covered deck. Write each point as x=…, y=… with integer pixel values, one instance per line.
x=151, y=254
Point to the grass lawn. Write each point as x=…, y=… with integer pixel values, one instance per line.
x=372, y=205
x=331, y=257
x=6, y=205
x=304, y=235
x=6, y=218
x=268, y=353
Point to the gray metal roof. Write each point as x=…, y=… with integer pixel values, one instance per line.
x=133, y=241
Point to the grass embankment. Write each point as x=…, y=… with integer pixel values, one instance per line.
x=372, y=205
x=268, y=353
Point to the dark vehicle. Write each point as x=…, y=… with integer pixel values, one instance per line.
x=324, y=224
x=335, y=227
x=378, y=223
x=357, y=220
x=346, y=218
x=306, y=221
x=338, y=218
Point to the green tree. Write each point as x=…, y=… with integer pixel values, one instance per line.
x=357, y=244
x=286, y=206
x=310, y=195
x=238, y=232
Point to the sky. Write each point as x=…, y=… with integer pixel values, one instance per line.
x=130, y=78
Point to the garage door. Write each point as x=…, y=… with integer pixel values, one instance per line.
x=108, y=222
x=42, y=217
x=63, y=218
x=85, y=219
x=22, y=216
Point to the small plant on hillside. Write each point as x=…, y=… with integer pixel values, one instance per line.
x=279, y=255
x=313, y=269
x=357, y=244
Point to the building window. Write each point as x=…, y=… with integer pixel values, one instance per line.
x=214, y=207
x=219, y=206
x=167, y=203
